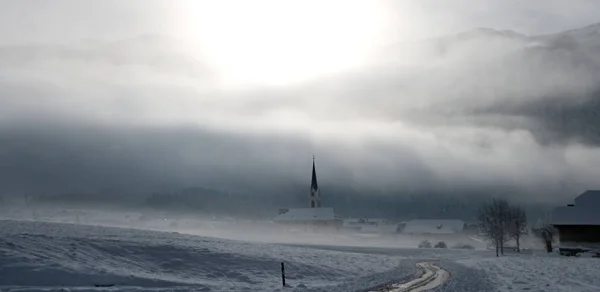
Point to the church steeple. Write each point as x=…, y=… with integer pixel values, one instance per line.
x=315, y=194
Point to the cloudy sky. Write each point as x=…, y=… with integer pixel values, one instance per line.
x=387, y=94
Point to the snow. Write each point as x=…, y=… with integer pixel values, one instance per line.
x=370, y=225
x=43, y=256
x=306, y=214
x=52, y=256
x=431, y=276
x=380, y=229
x=352, y=223
x=482, y=271
x=465, y=279
x=433, y=226
x=263, y=231
x=539, y=272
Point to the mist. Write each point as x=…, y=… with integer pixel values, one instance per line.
x=455, y=115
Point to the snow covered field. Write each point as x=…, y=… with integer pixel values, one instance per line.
x=540, y=272
x=52, y=256
x=38, y=256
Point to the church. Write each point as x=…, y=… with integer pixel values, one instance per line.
x=315, y=214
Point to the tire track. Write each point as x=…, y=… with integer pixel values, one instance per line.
x=431, y=277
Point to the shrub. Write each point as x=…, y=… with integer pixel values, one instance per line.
x=463, y=246
x=441, y=244
x=425, y=244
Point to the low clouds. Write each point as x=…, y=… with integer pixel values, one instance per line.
x=480, y=110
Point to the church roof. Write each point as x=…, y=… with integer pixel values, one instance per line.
x=313, y=183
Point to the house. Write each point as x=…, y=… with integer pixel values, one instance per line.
x=434, y=226
x=579, y=223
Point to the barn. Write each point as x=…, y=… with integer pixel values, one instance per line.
x=579, y=224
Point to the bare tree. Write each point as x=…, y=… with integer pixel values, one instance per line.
x=517, y=224
x=504, y=215
x=493, y=220
x=549, y=235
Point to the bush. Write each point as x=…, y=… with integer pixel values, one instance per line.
x=425, y=244
x=441, y=244
x=463, y=246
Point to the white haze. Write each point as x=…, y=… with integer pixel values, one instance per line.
x=218, y=226
x=413, y=115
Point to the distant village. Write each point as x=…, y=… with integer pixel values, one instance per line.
x=575, y=227
x=571, y=229
x=318, y=216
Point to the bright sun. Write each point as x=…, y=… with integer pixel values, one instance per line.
x=283, y=41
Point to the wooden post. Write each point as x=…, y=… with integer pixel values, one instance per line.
x=282, y=274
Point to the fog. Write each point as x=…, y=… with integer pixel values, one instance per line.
x=225, y=227
x=131, y=107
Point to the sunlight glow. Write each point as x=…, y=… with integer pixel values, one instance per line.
x=280, y=42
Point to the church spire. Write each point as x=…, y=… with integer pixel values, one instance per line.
x=315, y=194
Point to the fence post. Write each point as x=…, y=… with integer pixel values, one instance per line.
x=282, y=274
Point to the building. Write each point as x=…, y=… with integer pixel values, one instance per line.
x=315, y=214
x=434, y=227
x=579, y=223
x=370, y=225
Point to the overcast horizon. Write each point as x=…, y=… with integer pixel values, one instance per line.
x=388, y=95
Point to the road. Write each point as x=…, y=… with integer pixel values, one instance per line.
x=430, y=277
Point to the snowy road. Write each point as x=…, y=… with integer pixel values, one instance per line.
x=431, y=277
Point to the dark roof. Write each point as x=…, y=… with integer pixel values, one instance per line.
x=313, y=184
x=589, y=197
x=583, y=212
